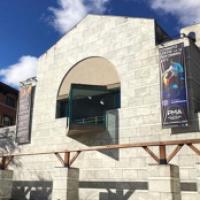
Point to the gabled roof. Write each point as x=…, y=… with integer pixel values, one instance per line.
x=107, y=16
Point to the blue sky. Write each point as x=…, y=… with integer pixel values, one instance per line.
x=30, y=27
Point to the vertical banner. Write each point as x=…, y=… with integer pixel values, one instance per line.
x=174, y=100
x=24, y=115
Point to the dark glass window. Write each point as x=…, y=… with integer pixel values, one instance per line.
x=111, y=100
x=10, y=101
x=62, y=109
x=88, y=104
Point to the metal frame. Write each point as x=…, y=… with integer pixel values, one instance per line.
x=66, y=161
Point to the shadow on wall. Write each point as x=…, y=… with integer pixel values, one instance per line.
x=7, y=143
x=32, y=190
x=42, y=190
x=102, y=136
x=122, y=190
x=7, y=139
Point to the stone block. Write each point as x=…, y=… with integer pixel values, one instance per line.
x=6, y=183
x=190, y=196
x=65, y=184
x=163, y=171
x=164, y=182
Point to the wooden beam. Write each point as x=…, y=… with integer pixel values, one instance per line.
x=67, y=159
x=66, y=162
x=8, y=161
x=59, y=158
x=149, y=144
x=109, y=147
x=151, y=153
x=174, y=152
x=162, y=159
x=3, y=163
x=74, y=158
x=163, y=155
x=197, y=151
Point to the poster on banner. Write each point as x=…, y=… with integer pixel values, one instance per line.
x=24, y=115
x=174, y=98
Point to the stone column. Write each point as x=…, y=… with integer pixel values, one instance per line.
x=164, y=182
x=65, y=184
x=6, y=182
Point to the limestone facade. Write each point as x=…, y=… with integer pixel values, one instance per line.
x=130, y=45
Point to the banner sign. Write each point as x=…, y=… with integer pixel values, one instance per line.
x=24, y=115
x=174, y=101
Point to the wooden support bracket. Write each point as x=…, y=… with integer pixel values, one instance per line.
x=151, y=153
x=66, y=161
x=5, y=161
x=74, y=158
x=59, y=158
x=8, y=161
x=197, y=151
x=174, y=152
x=2, y=163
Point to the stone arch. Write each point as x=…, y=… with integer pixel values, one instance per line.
x=91, y=71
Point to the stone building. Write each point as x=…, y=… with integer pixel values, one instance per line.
x=100, y=85
x=8, y=105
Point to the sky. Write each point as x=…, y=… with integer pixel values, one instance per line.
x=29, y=27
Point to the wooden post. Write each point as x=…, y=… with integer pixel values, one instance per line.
x=163, y=156
x=3, y=163
x=66, y=159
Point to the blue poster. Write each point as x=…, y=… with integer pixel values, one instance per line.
x=174, y=100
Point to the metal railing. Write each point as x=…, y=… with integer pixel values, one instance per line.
x=96, y=120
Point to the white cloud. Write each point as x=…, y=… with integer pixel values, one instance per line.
x=70, y=12
x=187, y=11
x=23, y=69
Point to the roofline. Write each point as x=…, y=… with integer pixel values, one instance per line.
x=125, y=16
x=90, y=14
x=194, y=24
x=8, y=87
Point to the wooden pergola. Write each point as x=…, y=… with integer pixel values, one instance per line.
x=68, y=160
